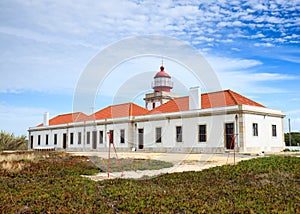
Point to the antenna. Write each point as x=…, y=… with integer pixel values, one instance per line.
x=290, y=137
x=111, y=142
x=162, y=60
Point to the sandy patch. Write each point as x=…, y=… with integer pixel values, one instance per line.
x=182, y=163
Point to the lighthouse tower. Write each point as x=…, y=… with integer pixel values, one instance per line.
x=162, y=86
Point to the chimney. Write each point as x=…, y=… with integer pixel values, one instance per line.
x=46, y=119
x=195, y=98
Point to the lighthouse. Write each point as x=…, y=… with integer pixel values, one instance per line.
x=161, y=85
x=162, y=81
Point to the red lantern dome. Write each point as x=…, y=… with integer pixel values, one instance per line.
x=162, y=81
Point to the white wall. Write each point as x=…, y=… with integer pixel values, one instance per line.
x=214, y=129
x=264, y=141
x=189, y=121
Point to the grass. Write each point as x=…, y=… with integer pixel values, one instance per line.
x=52, y=184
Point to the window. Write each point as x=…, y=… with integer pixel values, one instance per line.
x=101, y=137
x=178, y=134
x=64, y=140
x=141, y=138
x=122, y=136
x=79, y=138
x=47, y=139
x=39, y=139
x=88, y=138
x=255, y=129
x=274, y=132
x=229, y=136
x=55, y=139
x=202, y=133
x=158, y=135
x=71, y=138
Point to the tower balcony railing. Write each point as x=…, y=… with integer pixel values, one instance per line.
x=162, y=82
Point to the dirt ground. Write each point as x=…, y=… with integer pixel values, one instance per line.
x=182, y=162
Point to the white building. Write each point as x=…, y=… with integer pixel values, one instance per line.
x=210, y=122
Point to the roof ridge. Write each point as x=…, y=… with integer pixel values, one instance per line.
x=69, y=113
x=229, y=91
x=164, y=104
x=233, y=92
x=213, y=92
x=130, y=109
x=160, y=106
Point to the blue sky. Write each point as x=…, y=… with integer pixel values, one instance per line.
x=253, y=46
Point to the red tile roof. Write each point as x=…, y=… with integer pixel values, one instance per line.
x=208, y=100
x=67, y=118
x=121, y=110
x=177, y=104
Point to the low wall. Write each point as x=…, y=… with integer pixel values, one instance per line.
x=291, y=148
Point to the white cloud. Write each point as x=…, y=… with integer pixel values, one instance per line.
x=258, y=35
x=267, y=44
x=239, y=74
x=15, y=119
x=287, y=57
x=41, y=37
x=46, y=77
x=246, y=82
x=44, y=44
x=231, y=64
x=126, y=17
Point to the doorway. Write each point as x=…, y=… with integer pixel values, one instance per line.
x=229, y=135
x=141, y=138
x=31, y=142
x=94, y=136
x=64, y=140
x=111, y=136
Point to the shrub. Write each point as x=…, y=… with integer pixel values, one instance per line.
x=8, y=141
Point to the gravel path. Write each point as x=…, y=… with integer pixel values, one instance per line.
x=182, y=162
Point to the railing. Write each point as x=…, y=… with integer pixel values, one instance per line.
x=162, y=82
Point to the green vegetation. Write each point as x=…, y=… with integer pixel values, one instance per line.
x=129, y=164
x=48, y=183
x=11, y=142
x=295, y=139
x=51, y=183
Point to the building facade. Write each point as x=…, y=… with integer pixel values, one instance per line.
x=201, y=122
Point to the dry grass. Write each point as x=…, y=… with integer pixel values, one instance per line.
x=10, y=157
x=13, y=166
x=16, y=161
